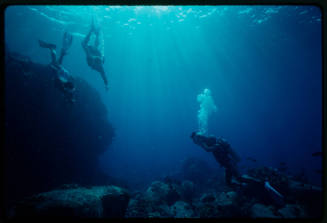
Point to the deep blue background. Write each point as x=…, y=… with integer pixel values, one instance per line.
x=263, y=66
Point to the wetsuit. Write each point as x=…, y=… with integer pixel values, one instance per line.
x=222, y=152
x=94, y=56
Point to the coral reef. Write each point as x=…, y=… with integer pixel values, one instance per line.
x=181, y=199
x=176, y=199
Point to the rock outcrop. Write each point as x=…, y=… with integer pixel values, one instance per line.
x=48, y=141
x=94, y=202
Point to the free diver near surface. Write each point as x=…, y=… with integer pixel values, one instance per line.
x=63, y=79
x=95, y=52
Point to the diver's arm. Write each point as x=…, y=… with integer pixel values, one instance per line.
x=208, y=148
x=61, y=57
x=199, y=139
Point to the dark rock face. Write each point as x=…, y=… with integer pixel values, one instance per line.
x=181, y=209
x=187, y=190
x=208, y=198
x=292, y=211
x=115, y=204
x=160, y=192
x=49, y=142
x=289, y=211
x=218, y=205
x=137, y=208
x=94, y=202
x=162, y=199
x=262, y=211
x=308, y=195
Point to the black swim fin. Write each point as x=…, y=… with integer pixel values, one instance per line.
x=47, y=45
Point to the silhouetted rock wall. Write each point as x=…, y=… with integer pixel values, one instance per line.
x=49, y=142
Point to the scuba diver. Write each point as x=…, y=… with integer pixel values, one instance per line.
x=94, y=56
x=223, y=153
x=63, y=80
x=227, y=158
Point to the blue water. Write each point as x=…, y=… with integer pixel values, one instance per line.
x=263, y=65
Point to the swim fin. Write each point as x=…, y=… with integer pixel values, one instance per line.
x=47, y=45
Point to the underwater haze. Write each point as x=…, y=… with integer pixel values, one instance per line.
x=261, y=64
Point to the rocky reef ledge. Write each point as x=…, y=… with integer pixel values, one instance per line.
x=169, y=199
x=93, y=202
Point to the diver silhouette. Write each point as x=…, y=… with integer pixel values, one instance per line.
x=94, y=56
x=223, y=153
x=63, y=80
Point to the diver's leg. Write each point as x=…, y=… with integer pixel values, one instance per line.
x=103, y=75
x=46, y=45
x=61, y=57
x=235, y=171
x=237, y=175
x=53, y=56
x=51, y=47
x=96, y=42
x=228, y=176
x=66, y=43
x=87, y=39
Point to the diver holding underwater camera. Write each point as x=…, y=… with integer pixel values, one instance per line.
x=223, y=153
x=227, y=158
